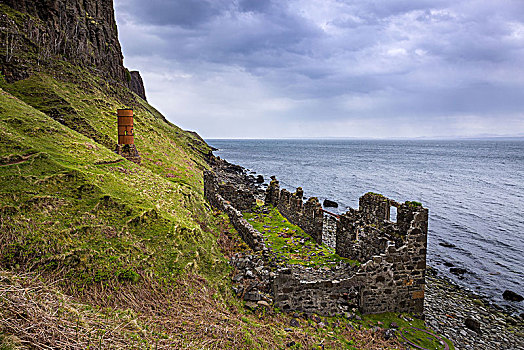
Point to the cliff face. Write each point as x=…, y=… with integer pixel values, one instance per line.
x=137, y=84
x=79, y=31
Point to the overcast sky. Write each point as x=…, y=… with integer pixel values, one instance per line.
x=330, y=68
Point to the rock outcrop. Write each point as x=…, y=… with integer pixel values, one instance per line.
x=137, y=84
x=82, y=32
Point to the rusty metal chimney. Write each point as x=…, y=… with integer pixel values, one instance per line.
x=125, y=126
x=126, y=136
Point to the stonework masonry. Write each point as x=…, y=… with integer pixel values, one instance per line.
x=308, y=216
x=392, y=255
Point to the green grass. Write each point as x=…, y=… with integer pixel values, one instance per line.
x=290, y=242
x=407, y=324
x=114, y=220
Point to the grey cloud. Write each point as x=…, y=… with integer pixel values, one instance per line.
x=365, y=59
x=185, y=13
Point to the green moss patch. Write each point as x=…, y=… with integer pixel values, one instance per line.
x=291, y=244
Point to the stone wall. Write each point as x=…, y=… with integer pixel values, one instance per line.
x=329, y=231
x=129, y=152
x=395, y=280
x=325, y=292
x=212, y=189
x=391, y=276
x=240, y=198
x=308, y=216
x=393, y=254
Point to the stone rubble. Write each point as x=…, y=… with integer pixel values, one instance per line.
x=447, y=307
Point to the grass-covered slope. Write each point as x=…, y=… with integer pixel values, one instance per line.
x=78, y=201
x=98, y=254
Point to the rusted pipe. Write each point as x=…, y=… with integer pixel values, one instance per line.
x=125, y=126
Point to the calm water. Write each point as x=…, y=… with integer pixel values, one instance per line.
x=473, y=189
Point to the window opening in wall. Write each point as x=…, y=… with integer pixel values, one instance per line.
x=393, y=214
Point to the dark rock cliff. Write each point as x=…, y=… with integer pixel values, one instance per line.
x=83, y=32
x=137, y=85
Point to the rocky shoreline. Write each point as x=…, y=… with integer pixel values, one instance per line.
x=468, y=321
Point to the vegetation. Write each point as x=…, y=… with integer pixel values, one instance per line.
x=413, y=204
x=291, y=244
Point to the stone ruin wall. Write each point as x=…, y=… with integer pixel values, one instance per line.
x=308, y=216
x=213, y=192
x=394, y=279
x=328, y=293
x=391, y=277
x=241, y=199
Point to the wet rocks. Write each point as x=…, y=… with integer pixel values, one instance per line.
x=260, y=179
x=469, y=324
x=512, y=296
x=330, y=204
x=472, y=324
x=459, y=271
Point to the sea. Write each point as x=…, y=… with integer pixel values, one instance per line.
x=474, y=190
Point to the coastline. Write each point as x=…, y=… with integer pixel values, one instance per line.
x=447, y=306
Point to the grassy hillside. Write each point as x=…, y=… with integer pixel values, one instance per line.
x=98, y=252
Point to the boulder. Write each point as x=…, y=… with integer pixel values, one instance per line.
x=260, y=179
x=473, y=324
x=447, y=245
x=458, y=271
x=512, y=296
x=330, y=203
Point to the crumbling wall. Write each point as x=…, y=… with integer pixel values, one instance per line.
x=252, y=237
x=239, y=198
x=395, y=280
x=327, y=293
x=308, y=216
x=393, y=254
x=391, y=277
x=329, y=231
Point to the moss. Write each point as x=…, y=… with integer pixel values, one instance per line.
x=412, y=329
x=290, y=242
x=375, y=194
x=413, y=204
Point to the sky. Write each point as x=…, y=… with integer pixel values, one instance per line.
x=330, y=68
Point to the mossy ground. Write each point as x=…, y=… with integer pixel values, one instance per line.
x=291, y=244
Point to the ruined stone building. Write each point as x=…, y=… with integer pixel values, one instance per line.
x=392, y=255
